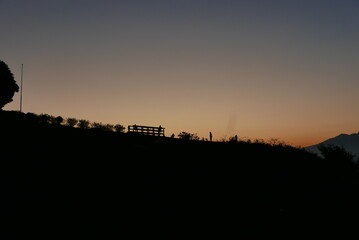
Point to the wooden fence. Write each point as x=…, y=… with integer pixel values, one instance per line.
x=146, y=130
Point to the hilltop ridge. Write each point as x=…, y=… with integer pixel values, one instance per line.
x=60, y=180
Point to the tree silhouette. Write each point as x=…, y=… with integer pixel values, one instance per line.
x=8, y=86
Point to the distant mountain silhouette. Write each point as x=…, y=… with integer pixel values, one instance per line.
x=350, y=142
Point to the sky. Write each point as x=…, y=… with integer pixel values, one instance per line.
x=262, y=69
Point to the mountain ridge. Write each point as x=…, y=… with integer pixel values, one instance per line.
x=350, y=142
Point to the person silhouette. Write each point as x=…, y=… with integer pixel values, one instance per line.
x=210, y=136
x=159, y=130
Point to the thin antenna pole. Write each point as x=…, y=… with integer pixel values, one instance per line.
x=22, y=74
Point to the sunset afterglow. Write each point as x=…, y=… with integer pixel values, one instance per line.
x=256, y=69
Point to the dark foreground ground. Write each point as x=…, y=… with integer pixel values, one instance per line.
x=60, y=182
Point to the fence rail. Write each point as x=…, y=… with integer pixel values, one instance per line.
x=147, y=130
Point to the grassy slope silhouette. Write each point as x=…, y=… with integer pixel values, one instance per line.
x=58, y=180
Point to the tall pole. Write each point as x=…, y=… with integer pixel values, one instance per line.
x=22, y=74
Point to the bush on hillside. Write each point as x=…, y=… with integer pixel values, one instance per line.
x=71, y=122
x=188, y=136
x=83, y=124
x=119, y=128
x=337, y=156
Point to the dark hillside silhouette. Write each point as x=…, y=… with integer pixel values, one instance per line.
x=59, y=181
x=8, y=86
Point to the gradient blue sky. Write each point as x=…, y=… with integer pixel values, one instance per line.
x=259, y=69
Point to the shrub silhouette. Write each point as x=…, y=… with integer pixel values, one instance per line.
x=8, y=86
x=108, y=127
x=338, y=156
x=233, y=139
x=59, y=120
x=44, y=118
x=71, y=122
x=188, y=136
x=52, y=119
x=102, y=127
x=83, y=124
x=119, y=128
x=32, y=117
x=96, y=125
